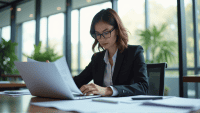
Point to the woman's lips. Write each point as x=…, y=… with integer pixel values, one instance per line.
x=104, y=44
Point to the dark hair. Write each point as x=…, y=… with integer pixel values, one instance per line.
x=111, y=17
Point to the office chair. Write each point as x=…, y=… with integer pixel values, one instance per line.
x=156, y=74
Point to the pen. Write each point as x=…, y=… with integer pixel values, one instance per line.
x=147, y=98
x=103, y=100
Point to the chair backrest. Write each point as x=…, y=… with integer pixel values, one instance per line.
x=156, y=74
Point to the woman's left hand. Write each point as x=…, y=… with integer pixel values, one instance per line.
x=96, y=90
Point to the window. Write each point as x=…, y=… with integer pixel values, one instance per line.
x=74, y=41
x=43, y=33
x=189, y=33
x=132, y=14
x=198, y=14
x=28, y=38
x=5, y=33
x=56, y=32
x=162, y=16
x=170, y=34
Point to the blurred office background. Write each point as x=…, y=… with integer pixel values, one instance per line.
x=53, y=18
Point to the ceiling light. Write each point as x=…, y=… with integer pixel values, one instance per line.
x=88, y=1
x=58, y=8
x=31, y=15
x=18, y=9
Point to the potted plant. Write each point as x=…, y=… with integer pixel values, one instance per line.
x=166, y=91
x=49, y=54
x=160, y=49
x=7, y=57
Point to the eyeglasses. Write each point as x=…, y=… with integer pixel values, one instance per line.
x=104, y=34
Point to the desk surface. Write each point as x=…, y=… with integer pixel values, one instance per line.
x=21, y=104
x=11, y=75
x=12, y=84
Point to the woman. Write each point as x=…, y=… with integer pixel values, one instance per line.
x=120, y=69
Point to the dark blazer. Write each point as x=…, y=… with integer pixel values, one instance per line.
x=130, y=72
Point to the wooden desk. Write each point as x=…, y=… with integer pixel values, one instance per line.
x=12, y=85
x=21, y=104
x=4, y=76
x=191, y=78
x=13, y=76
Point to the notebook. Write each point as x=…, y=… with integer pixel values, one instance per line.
x=52, y=80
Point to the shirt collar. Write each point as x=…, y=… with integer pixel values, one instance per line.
x=106, y=59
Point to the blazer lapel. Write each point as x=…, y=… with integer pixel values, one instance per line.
x=118, y=64
x=102, y=65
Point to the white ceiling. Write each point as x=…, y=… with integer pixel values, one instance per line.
x=83, y=3
x=5, y=18
x=27, y=9
x=48, y=7
x=5, y=3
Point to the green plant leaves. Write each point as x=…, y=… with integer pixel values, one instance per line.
x=49, y=54
x=146, y=38
x=7, y=57
x=160, y=49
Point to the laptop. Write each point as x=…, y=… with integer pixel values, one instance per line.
x=51, y=80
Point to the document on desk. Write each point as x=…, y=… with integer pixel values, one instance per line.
x=18, y=92
x=64, y=73
x=176, y=102
x=88, y=105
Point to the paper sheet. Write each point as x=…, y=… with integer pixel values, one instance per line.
x=31, y=60
x=176, y=102
x=19, y=92
x=90, y=106
x=16, y=92
x=64, y=71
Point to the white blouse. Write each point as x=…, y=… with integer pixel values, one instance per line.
x=109, y=72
